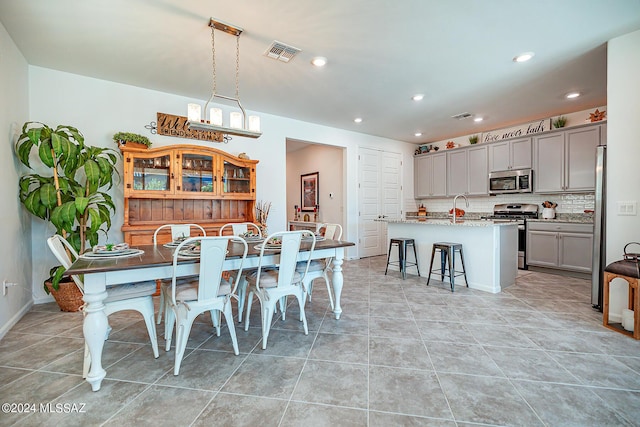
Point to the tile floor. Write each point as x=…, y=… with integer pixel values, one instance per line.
x=402, y=354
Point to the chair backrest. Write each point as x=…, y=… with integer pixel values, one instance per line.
x=332, y=231
x=213, y=251
x=178, y=231
x=238, y=228
x=59, y=246
x=288, y=260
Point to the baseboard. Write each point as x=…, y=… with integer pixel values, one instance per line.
x=15, y=319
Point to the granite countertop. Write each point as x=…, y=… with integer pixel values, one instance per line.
x=462, y=222
x=580, y=218
x=570, y=218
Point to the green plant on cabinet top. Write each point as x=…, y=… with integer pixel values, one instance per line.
x=124, y=137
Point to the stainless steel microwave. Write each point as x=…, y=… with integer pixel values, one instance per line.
x=511, y=181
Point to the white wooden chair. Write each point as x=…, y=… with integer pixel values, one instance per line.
x=130, y=296
x=320, y=268
x=178, y=231
x=274, y=283
x=208, y=292
x=239, y=229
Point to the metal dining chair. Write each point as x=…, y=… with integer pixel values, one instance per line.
x=272, y=284
x=240, y=229
x=178, y=231
x=130, y=296
x=207, y=292
x=320, y=268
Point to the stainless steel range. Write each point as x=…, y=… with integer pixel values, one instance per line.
x=517, y=213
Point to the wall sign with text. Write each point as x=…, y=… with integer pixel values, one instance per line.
x=520, y=130
x=170, y=125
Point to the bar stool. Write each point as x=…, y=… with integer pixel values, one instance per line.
x=402, y=243
x=627, y=270
x=447, y=254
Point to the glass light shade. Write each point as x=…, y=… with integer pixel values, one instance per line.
x=215, y=116
x=194, y=112
x=235, y=120
x=254, y=123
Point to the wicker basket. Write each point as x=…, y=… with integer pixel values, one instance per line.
x=68, y=296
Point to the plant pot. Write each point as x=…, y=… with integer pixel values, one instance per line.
x=131, y=144
x=68, y=296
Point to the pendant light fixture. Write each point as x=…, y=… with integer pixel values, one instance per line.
x=239, y=123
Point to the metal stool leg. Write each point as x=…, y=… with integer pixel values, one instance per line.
x=464, y=270
x=402, y=251
x=415, y=256
x=388, y=257
x=433, y=252
x=452, y=267
x=443, y=263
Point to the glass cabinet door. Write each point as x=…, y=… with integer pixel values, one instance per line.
x=236, y=178
x=152, y=173
x=197, y=173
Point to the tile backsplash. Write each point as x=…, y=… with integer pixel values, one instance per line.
x=570, y=203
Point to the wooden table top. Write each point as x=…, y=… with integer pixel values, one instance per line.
x=158, y=255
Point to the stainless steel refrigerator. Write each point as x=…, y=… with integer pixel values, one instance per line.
x=599, y=228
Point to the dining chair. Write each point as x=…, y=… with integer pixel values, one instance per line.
x=178, y=231
x=320, y=268
x=272, y=284
x=129, y=296
x=239, y=229
x=208, y=292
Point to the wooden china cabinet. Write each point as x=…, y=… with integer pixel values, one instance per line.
x=184, y=184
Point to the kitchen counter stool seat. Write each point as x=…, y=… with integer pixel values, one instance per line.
x=629, y=271
x=403, y=243
x=447, y=256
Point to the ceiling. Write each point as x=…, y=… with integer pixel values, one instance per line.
x=458, y=53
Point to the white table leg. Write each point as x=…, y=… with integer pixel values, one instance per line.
x=95, y=330
x=337, y=279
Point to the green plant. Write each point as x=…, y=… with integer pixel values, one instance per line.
x=473, y=139
x=560, y=122
x=131, y=137
x=70, y=191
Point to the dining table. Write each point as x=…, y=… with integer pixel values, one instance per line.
x=152, y=262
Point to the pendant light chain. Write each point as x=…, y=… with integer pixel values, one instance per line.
x=238, y=67
x=213, y=60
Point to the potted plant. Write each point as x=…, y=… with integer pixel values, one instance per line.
x=69, y=190
x=132, y=140
x=560, y=122
x=473, y=139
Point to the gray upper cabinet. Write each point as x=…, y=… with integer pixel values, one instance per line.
x=430, y=173
x=565, y=161
x=467, y=171
x=506, y=155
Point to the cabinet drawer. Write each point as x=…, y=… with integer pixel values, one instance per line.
x=560, y=227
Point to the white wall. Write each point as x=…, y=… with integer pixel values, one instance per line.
x=328, y=162
x=100, y=108
x=623, y=150
x=15, y=224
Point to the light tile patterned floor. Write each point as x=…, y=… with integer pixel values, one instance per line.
x=402, y=354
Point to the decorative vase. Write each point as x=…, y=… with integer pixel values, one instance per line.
x=548, y=213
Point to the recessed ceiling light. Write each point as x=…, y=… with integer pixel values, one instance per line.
x=478, y=119
x=524, y=57
x=417, y=97
x=572, y=95
x=319, y=61
x=358, y=120
x=418, y=134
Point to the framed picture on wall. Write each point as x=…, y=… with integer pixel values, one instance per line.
x=309, y=192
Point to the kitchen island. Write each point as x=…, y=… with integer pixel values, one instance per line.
x=490, y=248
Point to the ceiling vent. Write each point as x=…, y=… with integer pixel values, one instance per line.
x=281, y=52
x=461, y=116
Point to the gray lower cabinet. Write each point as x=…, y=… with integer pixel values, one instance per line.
x=430, y=175
x=565, y=246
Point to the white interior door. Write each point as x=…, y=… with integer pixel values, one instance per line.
x=380, y=196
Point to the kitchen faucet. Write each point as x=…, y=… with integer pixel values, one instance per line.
x=454, y=205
